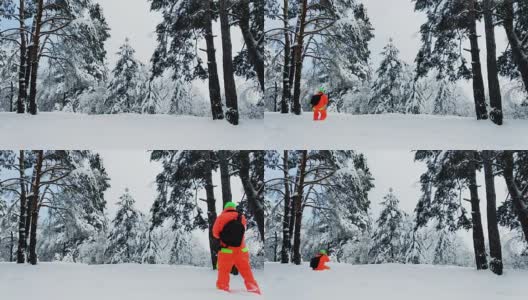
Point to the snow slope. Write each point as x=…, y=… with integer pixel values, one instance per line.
x=394, y=131
x=276, y=131
x=66, y=131
x=52, y=281
x=391, y=281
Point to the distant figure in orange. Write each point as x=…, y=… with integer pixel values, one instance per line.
x=319, y=105
x=318, y=263
x=229, y=228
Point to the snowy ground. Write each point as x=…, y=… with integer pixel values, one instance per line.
x=393, y=131
x=53, y=281
x=64, y=131
x=394, y=282
x=276, y=131
x=111, y=282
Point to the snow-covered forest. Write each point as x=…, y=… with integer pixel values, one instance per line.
x=321, y=200
x=471, y=60
x=208, y=60
x=53, y=208
x=110, y=209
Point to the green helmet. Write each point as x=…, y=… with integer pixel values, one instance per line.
x=322, y=252
x=230, y=205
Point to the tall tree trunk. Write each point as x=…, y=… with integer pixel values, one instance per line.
x=29, y=205
x=479, y=94
x=29, y=53
x=225, y=176
x=276, y=248
x=520, y=56
x=291, y=228
x=22, y=239
x=211, y=206
x=286, y=87
x=12, y=98
x=12, y=248
x=275, y=96
x=35, y=207
x=293, y=60
x=35, y=59
x=476, y=218
x=286, y=238
x=22, y=88
x=493, y=73
x=298, y=206
x=27, y=78
x=493, y=227
x=229, y=70
x=255, y=48
x=292, y=75
x=215, y=95
x=255, y=198
x=519, y=204
x=298, y=49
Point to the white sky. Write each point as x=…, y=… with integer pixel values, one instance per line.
x=133, y=20
x=397, y=19
x=394, y=169
x=138, y=23
x=397, y=170
x=134, y=170
x=394, y=19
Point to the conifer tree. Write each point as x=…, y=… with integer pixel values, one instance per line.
x=124, y=238
x=185, y=22
x=450, y=23
x=126, y=90
x=391, y=89
x=389, y=234
x=449, y=173
x=515, y=23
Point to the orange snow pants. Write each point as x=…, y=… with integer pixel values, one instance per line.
x=322, y=263
x=320, y=115
x=238, y=257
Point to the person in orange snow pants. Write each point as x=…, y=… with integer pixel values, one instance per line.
x=320, y=109
x=229, y=256
x=322, y=261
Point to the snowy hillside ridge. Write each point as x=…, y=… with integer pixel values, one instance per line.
x=59, y=281
x=394, y=131
x=392, y=281
x=125, y=131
